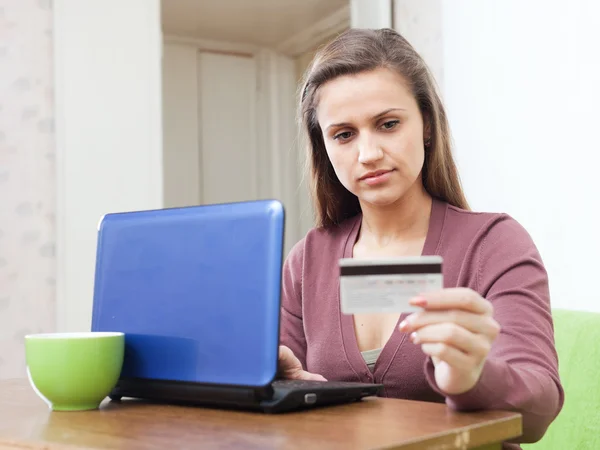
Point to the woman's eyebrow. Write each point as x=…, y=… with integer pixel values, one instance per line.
x=377, y=116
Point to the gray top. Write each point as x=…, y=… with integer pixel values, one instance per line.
x=370, y=356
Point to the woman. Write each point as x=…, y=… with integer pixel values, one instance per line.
x=384, y=184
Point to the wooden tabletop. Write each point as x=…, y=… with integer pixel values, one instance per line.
x=26, y=423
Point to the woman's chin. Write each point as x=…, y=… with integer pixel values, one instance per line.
x=388, y=196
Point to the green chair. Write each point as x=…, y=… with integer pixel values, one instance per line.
x=577, y=427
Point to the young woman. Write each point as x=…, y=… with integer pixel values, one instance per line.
x=384, y=184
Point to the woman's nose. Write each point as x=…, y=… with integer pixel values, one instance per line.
x=369, y=151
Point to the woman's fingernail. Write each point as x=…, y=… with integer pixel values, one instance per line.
x=418, y=301
x=414, y=338
x=406, y=324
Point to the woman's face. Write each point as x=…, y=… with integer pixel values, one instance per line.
x=373, y=132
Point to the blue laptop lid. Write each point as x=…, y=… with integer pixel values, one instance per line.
x=196, y=290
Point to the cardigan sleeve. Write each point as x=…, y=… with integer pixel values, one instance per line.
x=521, y=371
x=292, y=326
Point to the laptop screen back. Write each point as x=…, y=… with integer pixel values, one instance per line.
x=196, y=291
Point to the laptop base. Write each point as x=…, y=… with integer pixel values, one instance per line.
x=278, y=397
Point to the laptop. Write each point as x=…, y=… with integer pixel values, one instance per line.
x=196, y=290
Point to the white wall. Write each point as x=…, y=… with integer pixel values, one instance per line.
x=371, y=13
x=522, y=88
x=420, y=22
x=27, y=179
x=109, y=132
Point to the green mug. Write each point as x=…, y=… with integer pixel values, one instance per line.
x=74, y=371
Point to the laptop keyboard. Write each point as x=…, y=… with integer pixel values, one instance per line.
x=311, y=384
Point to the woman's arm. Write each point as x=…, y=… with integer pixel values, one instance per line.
x=520, y=372
x=292, y=327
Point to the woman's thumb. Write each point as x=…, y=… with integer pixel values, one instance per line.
x=312, y=376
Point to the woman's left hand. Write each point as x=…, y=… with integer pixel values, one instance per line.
x=456, y=329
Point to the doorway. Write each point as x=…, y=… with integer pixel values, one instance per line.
x=229, y=100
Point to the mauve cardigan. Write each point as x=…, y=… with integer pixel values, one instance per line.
x=489, y=253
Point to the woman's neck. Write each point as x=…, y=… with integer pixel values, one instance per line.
x=404, y=221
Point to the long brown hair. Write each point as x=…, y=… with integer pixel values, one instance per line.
x=362, y=50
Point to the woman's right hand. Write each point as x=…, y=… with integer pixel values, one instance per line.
x=291, y=368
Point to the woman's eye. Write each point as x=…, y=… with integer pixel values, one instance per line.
x=343, y=136
x=390, y=124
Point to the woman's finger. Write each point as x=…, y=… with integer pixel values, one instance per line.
x=475, y=323
x=448, y=354
x=453, y=336
x=299, y=374
x=454, y=298
x=310, y=376
x=291, y=368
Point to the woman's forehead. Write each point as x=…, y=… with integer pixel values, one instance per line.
x=363, y=95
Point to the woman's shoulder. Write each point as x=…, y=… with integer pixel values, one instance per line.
x=486, y=246
x=494, y=230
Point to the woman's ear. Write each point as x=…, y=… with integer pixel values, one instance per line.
x=426, y=132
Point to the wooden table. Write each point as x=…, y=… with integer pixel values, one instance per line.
x=26, y=423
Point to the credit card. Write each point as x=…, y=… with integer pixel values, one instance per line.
x=387, y=285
